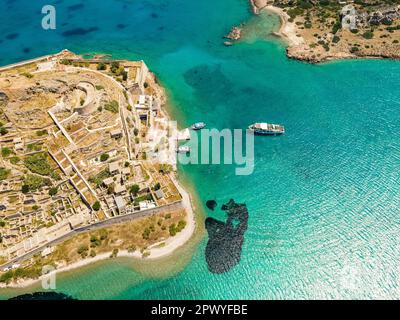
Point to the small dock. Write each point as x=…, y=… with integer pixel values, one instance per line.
x=183, y=135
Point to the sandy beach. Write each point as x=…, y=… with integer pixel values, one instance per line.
x=156, y=251
x=287, y=29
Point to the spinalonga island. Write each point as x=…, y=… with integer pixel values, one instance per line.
x=321, y=30
x=76, y=181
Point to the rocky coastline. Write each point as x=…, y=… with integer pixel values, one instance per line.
x=258, y=5
x=234, y=35
x=299, y=48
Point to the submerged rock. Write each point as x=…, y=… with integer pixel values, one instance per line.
x=43, y=296
x=224, y=247
x=235, y=33
x=211, y=204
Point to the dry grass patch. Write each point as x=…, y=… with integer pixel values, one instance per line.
x=135, y=235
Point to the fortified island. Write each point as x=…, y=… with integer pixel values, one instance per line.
x=76, y=180
x=320, y=30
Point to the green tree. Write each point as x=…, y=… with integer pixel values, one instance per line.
x=134, y=190
x=53, y=191
x=4, y=173
x=82, y=249
x=7, y=277
x=3, y=131
x=5, y=152
x=94, y=241
x=157, y=186
x=104, y=157
x=172, y=230
x=25, y=188
x=335, y=39
x=368, y=35
x=181, y=225
x=114, y=66
x=96, y=206
x=101, y=66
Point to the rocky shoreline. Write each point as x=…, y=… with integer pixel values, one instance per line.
x=302, y=54
x=299, y=49
x=234, y=35
x=258, y=5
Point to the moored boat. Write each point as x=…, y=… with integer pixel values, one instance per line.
x=267, y=129
x=183, y=149
x=198, y=126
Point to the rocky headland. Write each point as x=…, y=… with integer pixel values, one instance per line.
x=317, y=30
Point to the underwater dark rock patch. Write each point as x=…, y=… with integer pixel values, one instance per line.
x=26, y=50
x=211, y=204
x=10, y=3
x=75, y=7
x=224, y=246
x=203, y=77
x=79, y=31
x=43, y=296
x=121, y=26
x=12, y=36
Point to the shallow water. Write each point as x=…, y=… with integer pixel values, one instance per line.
x=323, y=200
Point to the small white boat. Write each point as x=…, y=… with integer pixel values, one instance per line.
x=183, y=149
x=198, y=126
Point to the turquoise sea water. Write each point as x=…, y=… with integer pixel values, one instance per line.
x=324, y=198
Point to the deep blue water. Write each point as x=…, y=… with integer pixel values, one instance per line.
x=323, y=201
